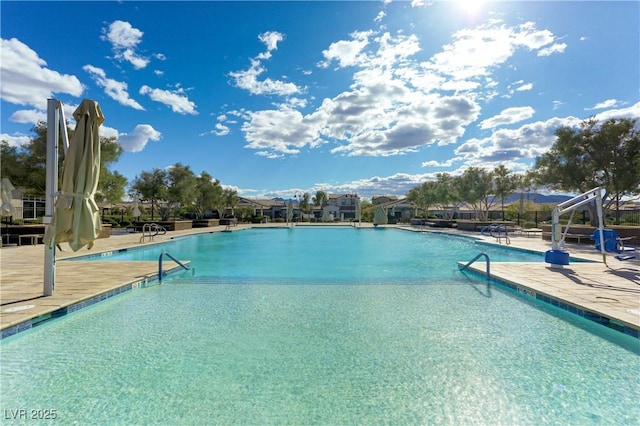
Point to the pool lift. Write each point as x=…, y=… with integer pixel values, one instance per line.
x=558, y=256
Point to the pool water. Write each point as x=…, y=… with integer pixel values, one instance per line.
x=225, y=347
x=336, y=255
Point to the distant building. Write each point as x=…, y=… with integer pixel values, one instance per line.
x=398, y=209
x=270, y=208
x=341, y=207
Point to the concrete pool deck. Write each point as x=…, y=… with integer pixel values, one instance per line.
x=610, y=291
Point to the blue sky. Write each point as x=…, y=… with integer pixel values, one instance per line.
x=274, y=98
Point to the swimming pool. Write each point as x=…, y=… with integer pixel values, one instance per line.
x=423, y=344
x=327, y=255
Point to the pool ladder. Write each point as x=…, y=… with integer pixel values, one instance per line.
x=488, y=262
x=497, y=231
x=150, y=230
x=161, y=272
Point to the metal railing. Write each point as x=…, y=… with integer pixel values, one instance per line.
x=161, y=272
x=497, y=231
x=150, y=230
x=488, y=262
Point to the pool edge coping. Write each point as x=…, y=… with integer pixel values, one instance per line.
x=17, y=326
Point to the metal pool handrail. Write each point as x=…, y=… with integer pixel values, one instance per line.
x=488, y=262
x=164, y=253
x=153, y=229
x=496, y=231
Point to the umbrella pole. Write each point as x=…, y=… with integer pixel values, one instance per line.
x=53, y=122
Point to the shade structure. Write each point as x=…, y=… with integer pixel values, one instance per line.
x=380, y=217
x=136, y=206
x=358, y=213
x=76, y=217
x=7, y=207
x=289, y=211
x=326, y=215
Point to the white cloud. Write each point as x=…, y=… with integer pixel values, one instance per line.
x=419, y=3
x=124, y=39
x=176, y=100
x=390, y=109
x=632, y=112
x=508, y=116
x=249, y=79
x=284, y=131
x=556, y=48
x=108, y=132
x=524, y=87
x=602, y=105
x=475, y=51
x=116, y=90
x=28, y=116
x=138, y=138
x=221, y=130
x=271, y=40
x=27, y=81
x=347, y=52
x=398, y=183
x=433, y=163
x=521, y=144
x=397, y=103
x=15, y=139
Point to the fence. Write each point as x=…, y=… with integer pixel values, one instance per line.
x=537, y=217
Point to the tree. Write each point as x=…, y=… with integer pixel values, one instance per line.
x=424, y=196
x=505, y=183
x=181, y=190
x=304, y=205
x=208, y=194
x=231, y=199
x=594, y=154
x=151, y=187
x=475, y=187
x=447, y=194
x=367, y=211
x=26, y=165
x=321, y=199
x=112, y=186
x=11, y=165
x=244, y=213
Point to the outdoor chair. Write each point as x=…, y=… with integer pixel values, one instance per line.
x=614, y=244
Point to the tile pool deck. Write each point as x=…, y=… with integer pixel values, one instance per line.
x=605, y=292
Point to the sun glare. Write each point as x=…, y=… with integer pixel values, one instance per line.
x=471, y=8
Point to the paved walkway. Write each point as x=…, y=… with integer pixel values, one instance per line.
x=612, y=290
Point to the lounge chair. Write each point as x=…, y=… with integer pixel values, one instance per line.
x=614, y=244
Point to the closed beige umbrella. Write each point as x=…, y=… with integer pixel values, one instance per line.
x=380, y=217
x=136, y=207
x=289, y=212
x=7, y=207
x=76, y=217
